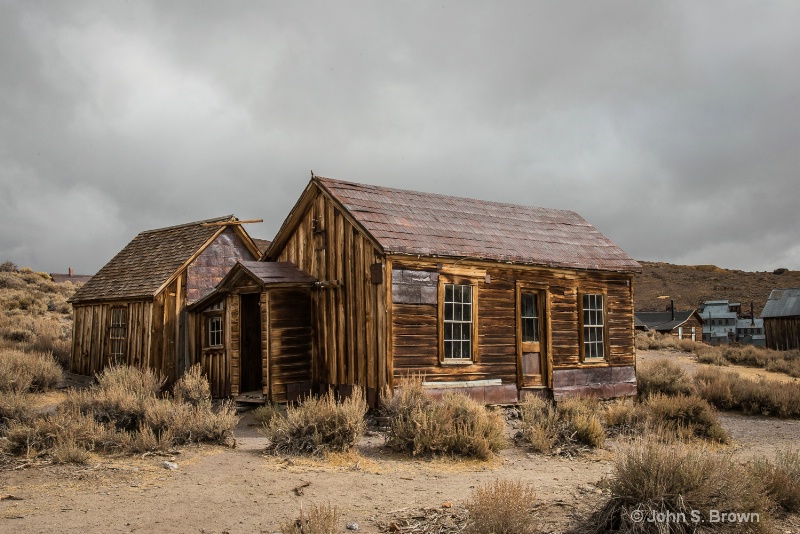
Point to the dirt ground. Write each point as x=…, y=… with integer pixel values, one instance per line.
x=217, y=489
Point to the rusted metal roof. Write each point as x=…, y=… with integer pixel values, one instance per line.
x=427, y=224
x=782, y=303
x=147, y=262
x=276, y=272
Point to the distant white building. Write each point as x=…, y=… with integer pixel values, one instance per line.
x=751, y=331
x=723, y=325
x=720, y=318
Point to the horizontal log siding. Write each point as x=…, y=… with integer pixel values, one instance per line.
x=349, y=320
x=415, y=326
x=289, y=339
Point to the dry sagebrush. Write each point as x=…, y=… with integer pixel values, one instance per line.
x=454, y=424
x=501, y=507
x=651, y=477
x=319, y=425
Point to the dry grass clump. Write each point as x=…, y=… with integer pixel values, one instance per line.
x=193, y=388
x=319, y=425
x=501, y=507
x=454, y=424
x=624, y=416
x=266, y=413
x=65, y=436
x=685, y=415
x=22, y=371
x=15, y=406
x=567, y=427
x=728, y=391
x=782, y=478
x=320, y=519
x=711, y=355
x=662, y=376
x=652, y=478
x=126, y=413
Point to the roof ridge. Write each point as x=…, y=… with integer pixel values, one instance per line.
x=184, y=225
x=324, y=179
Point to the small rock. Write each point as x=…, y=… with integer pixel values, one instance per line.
x=352, y=526
x=172, y=466
x=447, y=504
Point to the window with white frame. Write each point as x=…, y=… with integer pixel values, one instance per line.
x=118, y=333
x=593, y=326
x=457, y=322
x=214, y=332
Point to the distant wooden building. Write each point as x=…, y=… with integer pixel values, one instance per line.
x=133, y=311
x=492, y=299
x=679, y=324
x=781, y=316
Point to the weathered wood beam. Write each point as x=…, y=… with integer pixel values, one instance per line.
x=232, y=223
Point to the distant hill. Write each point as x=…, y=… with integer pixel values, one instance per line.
x=690, y=285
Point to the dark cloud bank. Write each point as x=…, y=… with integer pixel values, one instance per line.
x=673, y=127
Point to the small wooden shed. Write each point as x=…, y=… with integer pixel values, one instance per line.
x=781, y=316
x=493, y=299
x=254, y=332
x=133, y=311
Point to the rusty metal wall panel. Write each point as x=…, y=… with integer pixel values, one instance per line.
x=211, y=266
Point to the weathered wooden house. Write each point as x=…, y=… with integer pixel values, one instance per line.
x=254, y=332
x=781, y=316
x=133, y=311
x=493, y=299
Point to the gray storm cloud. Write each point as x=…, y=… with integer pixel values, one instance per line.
x=671, y=126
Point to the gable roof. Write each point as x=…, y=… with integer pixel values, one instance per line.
x=427, y=224
x=149, y=261
x=266, y=273
x=662, y=321
x=782, y=303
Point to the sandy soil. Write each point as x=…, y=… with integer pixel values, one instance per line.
x=239, y=490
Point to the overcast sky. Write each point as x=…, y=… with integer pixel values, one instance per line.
x=673, y=127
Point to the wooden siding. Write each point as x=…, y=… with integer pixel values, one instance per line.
x=289, y=340
x=415, y=326
x=783, y=333
x=349, y=316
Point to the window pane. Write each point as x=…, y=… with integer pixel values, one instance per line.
x=457, y=320
x=466, y=350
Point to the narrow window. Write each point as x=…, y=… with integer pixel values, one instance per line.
x=593, y=327
x=530, y=317
x=118, y=333
x=215, y=331
x=213, y=316
x=457, y=322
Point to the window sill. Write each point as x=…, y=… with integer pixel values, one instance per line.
x=595, y=362
x=453, y=362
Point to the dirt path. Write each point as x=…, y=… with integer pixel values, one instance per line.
x=241, y=490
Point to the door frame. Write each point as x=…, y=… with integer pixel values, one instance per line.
x=545, y=337
x=243, y=324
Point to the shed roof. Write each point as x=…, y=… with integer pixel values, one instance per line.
x=266, y=273
x=410, y=222
x=146, y=263
x=782, y=303
x=276, y=272
x=663, y=321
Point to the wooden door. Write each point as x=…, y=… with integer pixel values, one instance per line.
x=532, y=349
x=250, y=343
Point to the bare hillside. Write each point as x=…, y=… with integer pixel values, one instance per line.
x=690, y=285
